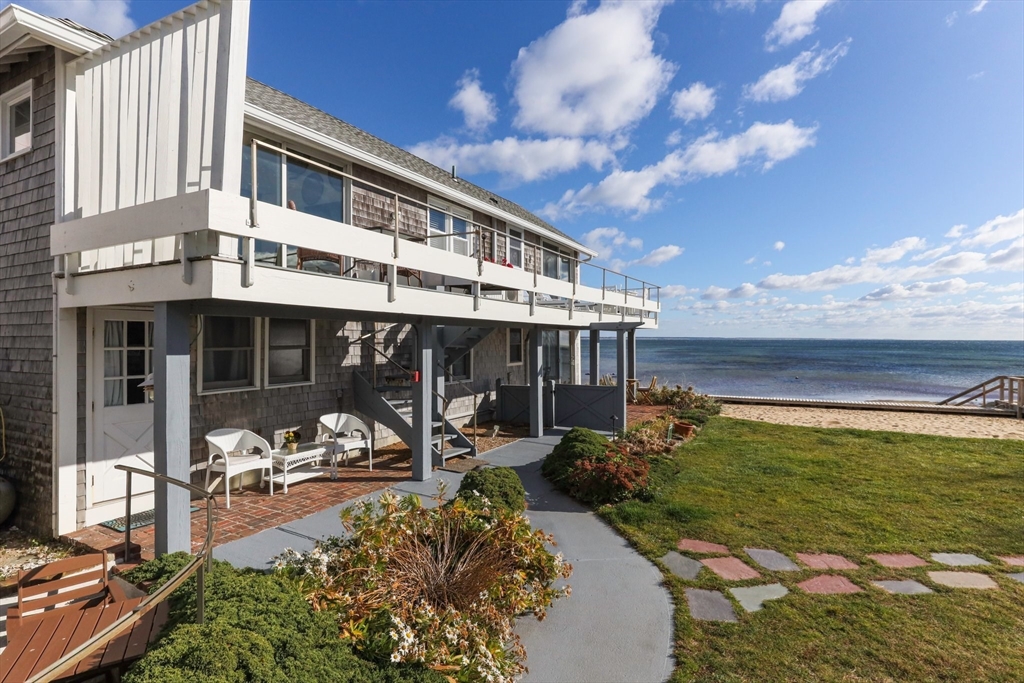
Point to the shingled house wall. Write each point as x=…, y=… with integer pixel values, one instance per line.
x=26, y=301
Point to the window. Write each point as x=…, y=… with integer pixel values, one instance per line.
x=228, y=353
x=289, y=351
x=515, y=346
x=268, y=189
x=448, y=227
x=462, y=369
x=16, y=121
x=127, y=360
x=556, y=356
x=311, y=190
x=515, y=247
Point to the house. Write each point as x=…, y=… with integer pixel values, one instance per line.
x=265, y=262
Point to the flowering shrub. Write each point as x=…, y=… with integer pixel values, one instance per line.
x=439, y=587
x=685, y=399
x=611, y=477
x=646, y=438
x=578, y=442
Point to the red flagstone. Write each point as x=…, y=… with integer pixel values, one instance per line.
x=898, y=561
x=703, y=547
x=1013, y=561
x=730, y=568
x=825, y=561
x=828, y=584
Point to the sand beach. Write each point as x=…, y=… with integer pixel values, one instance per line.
x=967, y=426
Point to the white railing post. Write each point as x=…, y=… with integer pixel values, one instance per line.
x=397, y=238
x=252, y=170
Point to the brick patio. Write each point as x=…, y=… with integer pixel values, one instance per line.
x=254, y=510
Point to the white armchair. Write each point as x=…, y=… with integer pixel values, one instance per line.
x=231, y=454
x=344, y=433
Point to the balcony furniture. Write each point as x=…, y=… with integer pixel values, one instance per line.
x=286, y=461
x=44, y=638
x=230, y=454
x=73, y=583
x=643, y=394
x=344, y=433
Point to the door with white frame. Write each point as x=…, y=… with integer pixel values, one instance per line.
x=122, y=415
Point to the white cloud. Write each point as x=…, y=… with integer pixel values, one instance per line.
x=1012, y=256
x=673, y=291
x=515, y=158
x=766, y=263
x=658, y=256
x=784, y=82
x=710, y=155
x=606, y=241
x=748, y=5
x=956, y=231
x=951, y=18
x=477, y=106
x=978, y=6
x=714, y=293
x=930, y=254
x=674, y=138
x=106, y=16
x=695, y=102
x=750, y=261
x=594, y=74
x=922, y=290
x=999, y=229
x=975, y=76
x=779, y=246
x=1015, y=287
x=895, y=251
x=796, y=21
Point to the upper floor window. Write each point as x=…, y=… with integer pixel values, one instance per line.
x=16, y=121
x=448, y=226
x=515, y=247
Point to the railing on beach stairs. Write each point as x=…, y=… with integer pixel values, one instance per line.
x=1010, y=392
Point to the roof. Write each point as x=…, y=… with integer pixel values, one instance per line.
x=85, y=29
x=296, y=111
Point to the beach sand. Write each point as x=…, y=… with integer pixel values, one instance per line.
x=969, y=426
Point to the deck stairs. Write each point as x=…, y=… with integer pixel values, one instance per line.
x=458, y=341
x=1004, y=392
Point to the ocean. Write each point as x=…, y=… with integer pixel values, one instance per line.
x=842, y=369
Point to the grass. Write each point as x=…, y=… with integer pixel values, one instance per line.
x=851, y=492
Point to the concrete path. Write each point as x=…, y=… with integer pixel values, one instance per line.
x=616, y=625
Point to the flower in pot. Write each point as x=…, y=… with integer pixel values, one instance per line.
x=291, y=440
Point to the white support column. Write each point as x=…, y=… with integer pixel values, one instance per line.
x=422, y=403
x=171, y=425
x=621, y=353
x=595, y=357
x=631, y=343
x=65, y=495
x=536, y=385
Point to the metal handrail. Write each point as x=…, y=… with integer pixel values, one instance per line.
x=200, y=564
x=479, y=229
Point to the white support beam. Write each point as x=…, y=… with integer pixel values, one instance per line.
x=422, y=403
x=536, y=370
x=65, y=451
x=621, y=354
x=171, y=426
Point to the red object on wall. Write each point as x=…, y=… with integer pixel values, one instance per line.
x=416, y=377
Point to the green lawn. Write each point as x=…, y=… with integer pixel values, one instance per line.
x=851, y=492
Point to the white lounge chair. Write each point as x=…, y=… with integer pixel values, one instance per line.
x=346, y=433
x=230, y=453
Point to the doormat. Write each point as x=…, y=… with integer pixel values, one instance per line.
x=462, y=465
x=139, y=519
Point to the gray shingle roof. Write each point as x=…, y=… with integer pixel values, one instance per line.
x=286, y=106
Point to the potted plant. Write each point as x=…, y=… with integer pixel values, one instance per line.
x=684, y=429
x=291, y=440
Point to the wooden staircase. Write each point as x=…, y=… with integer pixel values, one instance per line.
x=1002, y=392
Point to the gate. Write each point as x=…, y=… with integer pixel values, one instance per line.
x=514, y=404
x=584, y=405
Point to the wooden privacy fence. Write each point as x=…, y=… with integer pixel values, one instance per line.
x=565, y=405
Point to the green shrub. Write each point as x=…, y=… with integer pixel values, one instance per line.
x=578, y=443
x=501, y=486
x=646, y=438
x=693, y=416
x=611, y=476
x=685, y=399
x=258, y=628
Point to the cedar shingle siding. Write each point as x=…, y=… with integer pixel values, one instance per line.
x=26, y=301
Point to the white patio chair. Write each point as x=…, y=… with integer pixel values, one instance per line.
x=230, y=453
x=346, y=433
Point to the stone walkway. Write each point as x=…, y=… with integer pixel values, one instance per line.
x=713, y=605
x=616, y=625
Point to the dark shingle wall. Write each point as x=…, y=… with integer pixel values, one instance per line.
x=26, y=304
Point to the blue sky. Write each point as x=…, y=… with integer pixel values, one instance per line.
x=812, y=169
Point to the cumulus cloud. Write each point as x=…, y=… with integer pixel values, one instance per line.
x=673, y=291
x=956, y=231
x=710, y=155
x=779, y=246
x=606, y=241
x=107, y=16
x=784, y=82
x=999, y=229
x=922, y=290
x=951, y=18
x=658, y=256
x=595, y=73
x=796, y=21
x=750, y=261
x=515, y=158
x=674, y=138
x=931, y=253
x=744, y=291
x=477, y=106
x=978, y=6
x=695, y=102
x=895, y=251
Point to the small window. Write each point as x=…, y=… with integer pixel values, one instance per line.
x=515, y=346
x=462, y=369
x=16, y=121
x=228, y=353
x=127, y=359
x=289, y=351
x=515, y=248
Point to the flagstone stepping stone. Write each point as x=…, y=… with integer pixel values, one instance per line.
x=682, y=566
x=1017, y=577
x=772, y=560
x=702, y=547
x=828, y=584
x=898, y=561
x=958, y=559
x=1015, y=561
x=709, y=606
x=963, y=580
x=753, y=597
x=903, y=587
x=731, y=568
x=825, y=561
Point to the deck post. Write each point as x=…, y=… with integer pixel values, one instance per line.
x=536, y=385
x=171, y=425
x=621, y=381
x=595, y=357
x=631, y=353
x=423, y=402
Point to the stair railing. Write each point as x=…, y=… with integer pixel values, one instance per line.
x=449, y=380
x=1010, y=388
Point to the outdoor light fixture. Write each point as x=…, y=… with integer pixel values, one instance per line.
x=147, y=386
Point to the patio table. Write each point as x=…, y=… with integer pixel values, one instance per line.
x=305, y=454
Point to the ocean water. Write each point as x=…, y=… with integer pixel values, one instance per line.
x=843, y=369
